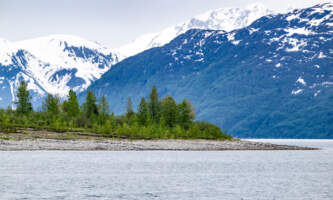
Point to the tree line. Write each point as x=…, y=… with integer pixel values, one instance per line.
x=154, y=118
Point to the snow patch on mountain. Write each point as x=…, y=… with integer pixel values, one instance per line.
x=301, y=81
x=299, y=31
x=295, y=92
x=315, y=17
x=321, y=55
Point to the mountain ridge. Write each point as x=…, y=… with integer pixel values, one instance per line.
x=226, y=19
x=273, y=78
x=56, y=63
x=52, y=64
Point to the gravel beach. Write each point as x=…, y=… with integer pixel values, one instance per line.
x=139, y=145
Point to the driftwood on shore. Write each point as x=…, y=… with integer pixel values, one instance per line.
x=140, y=145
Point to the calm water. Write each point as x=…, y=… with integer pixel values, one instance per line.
x=170, y=175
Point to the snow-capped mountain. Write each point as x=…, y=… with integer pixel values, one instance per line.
x=221, y=19
x=273, y=78
x=52, y=64
x=57, y=63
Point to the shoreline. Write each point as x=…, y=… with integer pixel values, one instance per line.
x=139, y=145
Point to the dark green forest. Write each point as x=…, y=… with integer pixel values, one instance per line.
x=155, y=118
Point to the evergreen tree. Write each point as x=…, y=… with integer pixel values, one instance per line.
x=185, y=113
x=154, y=107
x=129, y=108
x=103, y=106
x=103, y=109
x=169, y=111
x=24, y=105
x=90, y=107
x=71, y=106
x=51, y=105
x=143, y=112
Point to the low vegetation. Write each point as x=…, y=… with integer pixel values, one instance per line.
x=155, y=118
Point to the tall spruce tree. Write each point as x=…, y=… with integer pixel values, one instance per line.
x=154, y=107
x=143, y=112
x=71, y=106
x=90, y=107
x=169, y=111
x=51, y=105
x=24, y=105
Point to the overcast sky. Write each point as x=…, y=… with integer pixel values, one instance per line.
x=111, y=22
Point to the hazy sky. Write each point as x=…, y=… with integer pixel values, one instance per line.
x=110, y=22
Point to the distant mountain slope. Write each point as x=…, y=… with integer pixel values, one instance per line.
x=52, y=64
x=273, y=78
x=220, y=19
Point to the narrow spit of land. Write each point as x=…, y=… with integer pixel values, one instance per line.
x=46, y=140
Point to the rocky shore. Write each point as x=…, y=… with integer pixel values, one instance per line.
x=139, y=145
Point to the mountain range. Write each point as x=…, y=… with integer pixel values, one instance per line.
x=52, y=64
x=273, y=78
x=253, y=72
x=227, y=19
x=56, y=63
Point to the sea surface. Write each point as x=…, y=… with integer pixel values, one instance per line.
x=170, y=174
